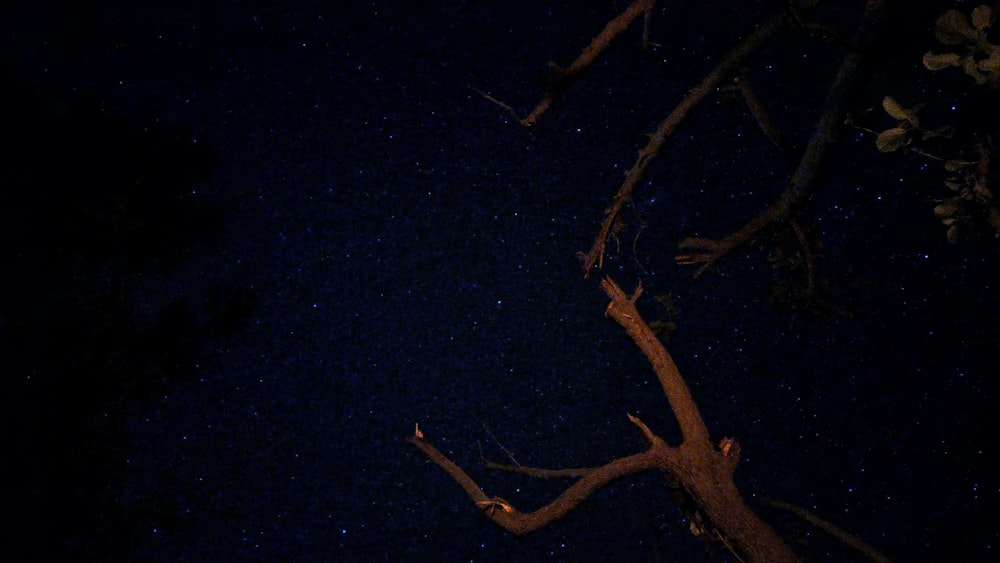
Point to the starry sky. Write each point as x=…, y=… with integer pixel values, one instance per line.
x=247, y=246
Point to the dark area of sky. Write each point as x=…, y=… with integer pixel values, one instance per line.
x=248, y=246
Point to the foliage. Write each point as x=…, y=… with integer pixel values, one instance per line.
x=968, y=181
x=981, y=59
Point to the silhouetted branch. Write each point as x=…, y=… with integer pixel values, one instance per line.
x=612, y=218
x=707, y=251
x=842, y=535
x=760, y=114
x=807, y=253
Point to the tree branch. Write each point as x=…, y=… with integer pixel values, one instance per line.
x=707, y=251
x=849, y=539
x=701, y=470
x=564, y=77
x=521, y=523
x=612, y=218
x=622, y=310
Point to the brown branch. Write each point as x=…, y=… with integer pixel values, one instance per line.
x=760, y=114
x=612, y=219
x=521, y=523
x=622, y=310
x=850, y=539
x=702, y=471
x=539, y=472
x=542, y=473
x=450, y=467
x=706, y=251
x=564, y=77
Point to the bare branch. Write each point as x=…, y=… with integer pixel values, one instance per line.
x=517, y=522
x=564, y=77
x=622, y=310
x=842, y=535
x=707, y=252
x=703, y=471
x=595, y=257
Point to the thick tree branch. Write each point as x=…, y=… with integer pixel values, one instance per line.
x=622, y=310
x=701, y=470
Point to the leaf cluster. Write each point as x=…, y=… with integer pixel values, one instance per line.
x=907, y=129
x=980, y=59
x=972, y=194
x=968, y=179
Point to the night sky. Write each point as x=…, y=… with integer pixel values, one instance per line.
x=248, y=245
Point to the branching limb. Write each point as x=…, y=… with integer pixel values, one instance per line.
x=702, y=470
x=517, y=522
x=622, y=310
x=707, y=252
x=612, y=220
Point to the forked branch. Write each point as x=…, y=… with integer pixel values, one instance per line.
x=622, y=310
x=519, y=523
x=612, y=215
x=706, y=252
x=702, y=470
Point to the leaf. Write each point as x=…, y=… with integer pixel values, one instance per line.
x=949, y=208
x=953, y=165
x=981, y=17
x=972, y=69
x=892, y=107
x=991, y=64
x=952, y=234
x=892, y=139
x=951, y=28
x=942, y=61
